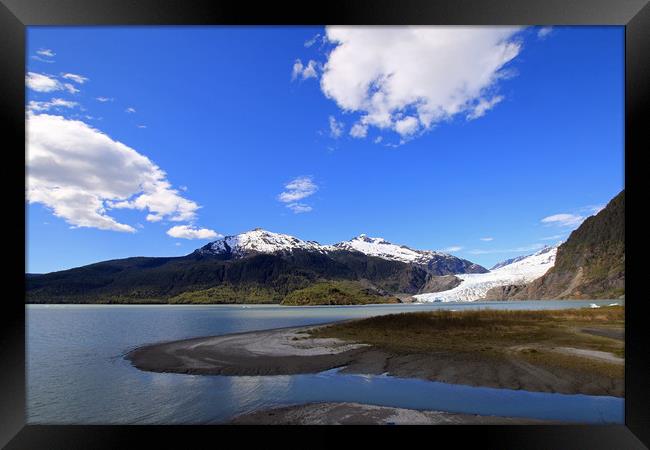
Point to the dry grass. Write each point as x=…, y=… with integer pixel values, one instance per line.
x=489, y=332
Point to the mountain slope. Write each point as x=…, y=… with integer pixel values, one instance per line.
x=590, y=264
x=476, y=286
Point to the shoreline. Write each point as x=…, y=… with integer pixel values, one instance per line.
x=291, y=351
x=351, y=413
x=257, y=305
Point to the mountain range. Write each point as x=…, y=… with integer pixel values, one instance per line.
x=255, y=266
x=260, y=266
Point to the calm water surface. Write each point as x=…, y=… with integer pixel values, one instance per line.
x=76, y=372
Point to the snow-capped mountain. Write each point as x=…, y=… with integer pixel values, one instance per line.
x=383, y=249
x=508, y=262
x=259, y=241
x=517, y=271
x=438, y=262
x=262, y=241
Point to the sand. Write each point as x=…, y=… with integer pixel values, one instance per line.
x=291, y=351
x=271, y=352
x=361, y=414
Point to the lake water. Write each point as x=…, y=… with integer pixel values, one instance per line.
x=76, y=373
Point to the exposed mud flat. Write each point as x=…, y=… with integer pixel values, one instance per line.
x=361, y=414
x=292, y=351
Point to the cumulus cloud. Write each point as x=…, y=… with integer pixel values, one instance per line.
x=104, y=99
x=407, y=79
x=42, y=83
x=81, y=174
x=302, y=71
x=359, y=130
x=74, y=77
x=564, y=220
x=190, y=232
x=453, y=248
x=130, y=110
x=336, y=127
x=296, y=190
x=406, y=126
x=54, y=103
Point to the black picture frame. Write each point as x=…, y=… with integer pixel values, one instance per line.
x=16, y=15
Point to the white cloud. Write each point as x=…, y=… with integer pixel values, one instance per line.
x=543, y=32
x=70, y=88
x=295, y=190
x=555, y=237
x=142, y=126
x=54, y=103
x=453, y=248
x=298, y=208
x=336, y=127
x=130, y=110
x=42, y=83
x=81, y=174
x=304, y=71
x=406, y=126
x=487, y=239
x=572, y=220
x=359, y=130
x=564, y=220
x=525, y=248
x=296, y=70
x=407, y=79
x=310, y=70
x=38, y=58
x=104, y=99
x=190, y=232
x=74, y=77
x=46, y=52
x=483, y=106
x=593, y=209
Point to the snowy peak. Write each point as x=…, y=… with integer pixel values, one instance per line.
x=381, y=248
x=262, y=241
x=541, y=258
x=546, y=250
x=259, y=241
x=437, y=263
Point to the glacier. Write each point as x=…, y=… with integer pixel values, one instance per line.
x=474, y=286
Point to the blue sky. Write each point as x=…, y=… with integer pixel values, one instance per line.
x=488, y=143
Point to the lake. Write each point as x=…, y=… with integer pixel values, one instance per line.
x=76, y=373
